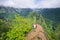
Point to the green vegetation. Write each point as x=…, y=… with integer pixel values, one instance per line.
x=16, y=27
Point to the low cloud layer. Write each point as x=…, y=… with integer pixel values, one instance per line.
x=31, y=3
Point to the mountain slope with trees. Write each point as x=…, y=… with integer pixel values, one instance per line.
x=15, y=23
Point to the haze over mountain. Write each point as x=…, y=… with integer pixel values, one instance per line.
x=49, y=13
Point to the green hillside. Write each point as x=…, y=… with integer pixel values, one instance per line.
x=16, y=23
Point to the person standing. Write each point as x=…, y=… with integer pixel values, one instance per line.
x=34, y=26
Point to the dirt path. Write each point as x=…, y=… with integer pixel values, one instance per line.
x=35, y=33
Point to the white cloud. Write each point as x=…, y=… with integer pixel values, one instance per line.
x=31, y=3
x=7, y=3
x=49, y=4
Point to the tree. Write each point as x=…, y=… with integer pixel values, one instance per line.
x=21, y=26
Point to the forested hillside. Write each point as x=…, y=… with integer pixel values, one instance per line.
x=15, y=23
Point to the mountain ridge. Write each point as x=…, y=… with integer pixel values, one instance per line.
x=49, y=13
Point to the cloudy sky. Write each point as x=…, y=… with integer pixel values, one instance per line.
x=31, y=3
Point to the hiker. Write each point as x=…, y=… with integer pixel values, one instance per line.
x=34, y=26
